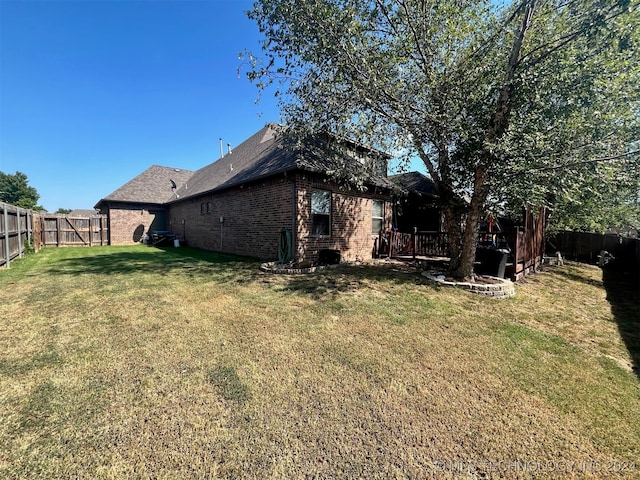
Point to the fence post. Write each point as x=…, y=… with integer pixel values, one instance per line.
x=7, y=249
x=58, y=231
x=29, y=220
x=103, y=221
x=19, y=229
x=413, y=242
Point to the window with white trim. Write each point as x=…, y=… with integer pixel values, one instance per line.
x=377, y=216
x=320, y=213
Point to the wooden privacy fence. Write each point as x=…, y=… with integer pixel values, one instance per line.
x=16, y=231
x=67, y=231
x=21, y=228
x=587, y=247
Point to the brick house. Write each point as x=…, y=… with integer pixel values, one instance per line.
x=243, y=202
x=140, y=205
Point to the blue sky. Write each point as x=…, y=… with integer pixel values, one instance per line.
x=94, y=92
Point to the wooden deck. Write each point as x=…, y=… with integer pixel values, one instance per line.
x=525, y=245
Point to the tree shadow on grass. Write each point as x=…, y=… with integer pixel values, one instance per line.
x=578, y=278
x=623, y=294
x=158, y=261
x=225, y=268
x=333, y=282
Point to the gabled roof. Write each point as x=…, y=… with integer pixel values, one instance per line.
x=415, y=182
x=151, y=186
x=82, y=212
x=263, y=155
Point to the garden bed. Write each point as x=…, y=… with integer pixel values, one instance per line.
x=482, y=284
x=293, y=268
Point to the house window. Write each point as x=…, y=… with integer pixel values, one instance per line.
x=377, y=216
x=205, y=207
x=320, y=213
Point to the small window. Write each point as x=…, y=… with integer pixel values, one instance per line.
x=208, y=207
x=320, y=213
x=377, y=216
x=202, y=208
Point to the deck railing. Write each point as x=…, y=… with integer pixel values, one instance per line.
x=393, y=243
x=525, y=244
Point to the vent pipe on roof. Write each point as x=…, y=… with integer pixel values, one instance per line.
x=229, y=148
x=221, y=150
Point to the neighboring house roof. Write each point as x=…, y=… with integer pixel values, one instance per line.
x=81, y=212
x=263, y=155
x=151, y=186
x=415, y=182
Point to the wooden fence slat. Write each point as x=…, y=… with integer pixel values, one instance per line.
x=14, y=233
x=5, y=234
x=20, y=228
x=19, y=232
x=71, y=224
x=71, y=231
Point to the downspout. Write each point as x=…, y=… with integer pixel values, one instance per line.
x=221, y=232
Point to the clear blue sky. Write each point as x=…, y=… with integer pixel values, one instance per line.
x=94, y=92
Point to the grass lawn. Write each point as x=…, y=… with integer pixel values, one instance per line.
x=134, y=362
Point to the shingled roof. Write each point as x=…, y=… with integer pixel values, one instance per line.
x=263, y=155
x=151, y=186
x=415, y=182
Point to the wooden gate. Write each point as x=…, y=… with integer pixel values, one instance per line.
x=66, y=231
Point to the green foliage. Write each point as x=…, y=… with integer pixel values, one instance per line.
x=15, y=190
x=498, y=100
x=63, y=211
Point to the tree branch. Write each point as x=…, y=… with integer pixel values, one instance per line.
x=574, y=164
x=562, y=41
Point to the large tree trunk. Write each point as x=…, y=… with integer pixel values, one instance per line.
x=462, y=267
x=454, y=212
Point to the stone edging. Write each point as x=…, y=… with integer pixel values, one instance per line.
x=275, y=267
x=505, y=288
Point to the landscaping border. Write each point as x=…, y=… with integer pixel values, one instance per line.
x=275, y=267
x=504, y=288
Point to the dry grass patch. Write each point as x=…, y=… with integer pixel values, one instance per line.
x=142, y=363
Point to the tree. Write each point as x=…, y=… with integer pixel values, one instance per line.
x=15, y=189
x=610, y=201
x=495, y=99
x=63, y=211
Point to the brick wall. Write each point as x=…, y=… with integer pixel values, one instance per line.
x=351, y=220
x=255, y=214
x=127, y=223
x=253, y=217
